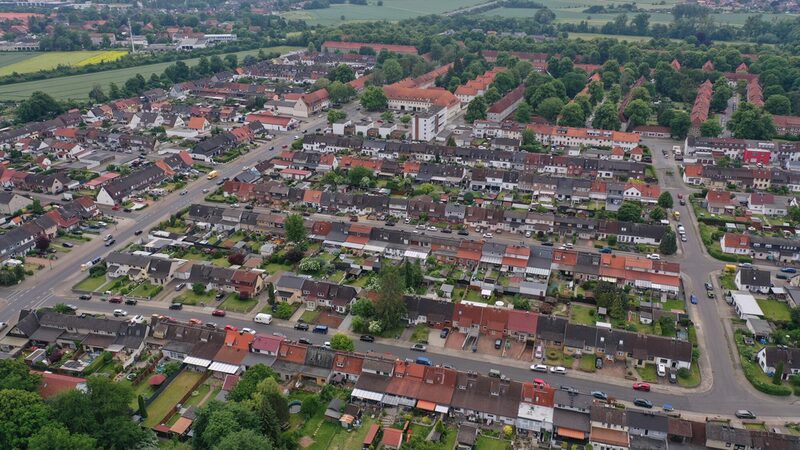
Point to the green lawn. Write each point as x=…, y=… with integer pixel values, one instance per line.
x=157, y=410
x=233, y=304
x=78, y=86
x=90, y=283
x=392, y=10
x=310, y=316
x=221, y=262
x=487, y=443
x=146, y=289
x=727, y=282
x=648, y=372
x=675, y=303
x=144, y=389
x=582, y=315
x=194, y=400
x=693, y=380
x=273, y=268
x=420, y=334
x=775, y=310
x=588, y=363
x=190, y=298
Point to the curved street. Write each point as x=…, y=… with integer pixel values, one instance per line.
x=723, y=390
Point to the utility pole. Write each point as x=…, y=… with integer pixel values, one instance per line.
x=130, y=35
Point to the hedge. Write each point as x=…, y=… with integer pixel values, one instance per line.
x=767, y=388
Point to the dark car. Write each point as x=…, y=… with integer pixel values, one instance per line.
x=367, y=338
x=709, y=286
x=176, y=306
x=498, y=343
x=600, y=395
x=788, y=270
x=643, y=403
x=463, y=233
x=85, y=297
x=131, y=301
x=673, y=378
x=745, y=414
x=443, y=334
x=220, y=296
x=305, y=341
x=137, y=232
x=248, y=206
x=301, y=326
x=68, y=245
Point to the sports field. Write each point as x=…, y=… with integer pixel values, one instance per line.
x=26, y=62
x=391, y=10
x=78, y=86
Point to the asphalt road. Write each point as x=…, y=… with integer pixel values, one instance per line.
x=727, y=392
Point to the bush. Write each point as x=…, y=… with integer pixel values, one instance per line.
x=284, y=311
x=310, y=406
x=684, y=373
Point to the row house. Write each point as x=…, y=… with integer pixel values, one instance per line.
x=761, y=247
x=247, y=284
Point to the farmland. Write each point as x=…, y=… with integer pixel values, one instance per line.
x=391, y=10
x=26, y=62
x=78, y=86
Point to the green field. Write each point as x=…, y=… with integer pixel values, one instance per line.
x=173, y=393
x=78, y=86
x=620, y=37
x=392, y=10
x=568, y=11
x=26, y=62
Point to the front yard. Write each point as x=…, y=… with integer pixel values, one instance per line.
x=648, y=373
x=726, y=280
x=190, y=298
x=234, y=304
x=91, y=284
x=146, y=289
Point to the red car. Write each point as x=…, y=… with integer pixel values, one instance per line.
x=218, y=313
x=641, y=387
x=115, y=299
x=195, y=321
x=230, y=328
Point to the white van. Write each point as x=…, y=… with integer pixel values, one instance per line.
x=266, y=319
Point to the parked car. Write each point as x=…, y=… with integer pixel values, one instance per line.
x=247, y=330
x=693, y=299
x=301, y=326
x=644, y=387
x=788, y=270
x=709, y=286
x=120, y=313
x=419, y=348
x=211, y=325
x=305, y=341
x=111, y=242
x=745, y=414
x=131, y=302
x=367, y=338
x=654, y=256
x=558, y=369
x=661, y=370
x=195, y=321
x=673, y=378
x=115, y=299
x=443, y=334
x=85, y=297
x=218, y=313
x=180, y=286
x=539, y=368
x=644, y=403
x=600, y=395
x=68, y=245
x=176, y=306
x=231, y=328
x=498, y=344
x=463, y=233
x=605, y=250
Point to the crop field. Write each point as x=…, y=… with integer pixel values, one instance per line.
x=26, y=62
x=78, y=86
x=571, y=11
x=391, y=10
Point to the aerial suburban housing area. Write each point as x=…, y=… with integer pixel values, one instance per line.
x=395, y=224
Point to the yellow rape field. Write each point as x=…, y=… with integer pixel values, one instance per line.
x=27, y=62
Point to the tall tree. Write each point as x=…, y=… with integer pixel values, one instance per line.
x=630, y=212
x=476, y=110
x=244, y=440
x=342, y=342
x=374, y=99
x=665, y=200
x=37, y=107
x=778, y=104
x=606, y=117
x=22, y=415
x=710, y=128
x=295, y=229
x=55, y=437
x=572, y=115
x=15, y=374
x=523, y=114
x=390, y=307
x=680, y=124
x=751, y=122
x=638, y=112
x=550, y=108
x=669, y=244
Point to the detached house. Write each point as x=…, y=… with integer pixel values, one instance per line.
x=753, y=280
x=338, y=297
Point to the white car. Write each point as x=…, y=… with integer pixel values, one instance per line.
x=137, y=319
x=539, y=368
x=120, y=313
x=488, y=235
x=432, y=228
x=654, y=256
x=247, y=330
x=662, y=370
x=327, y=344
x=558, y=369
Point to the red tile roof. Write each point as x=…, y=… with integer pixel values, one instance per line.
x=53, y=384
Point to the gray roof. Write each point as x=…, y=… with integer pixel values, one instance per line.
x=754, y=277
x=571, y=419
x=648, y=421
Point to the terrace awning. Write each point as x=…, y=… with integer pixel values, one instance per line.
x=427, y=406
x=570, y=433
x=229, y=369
x=442, y=409
x=367, y=395
x=192, y=361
